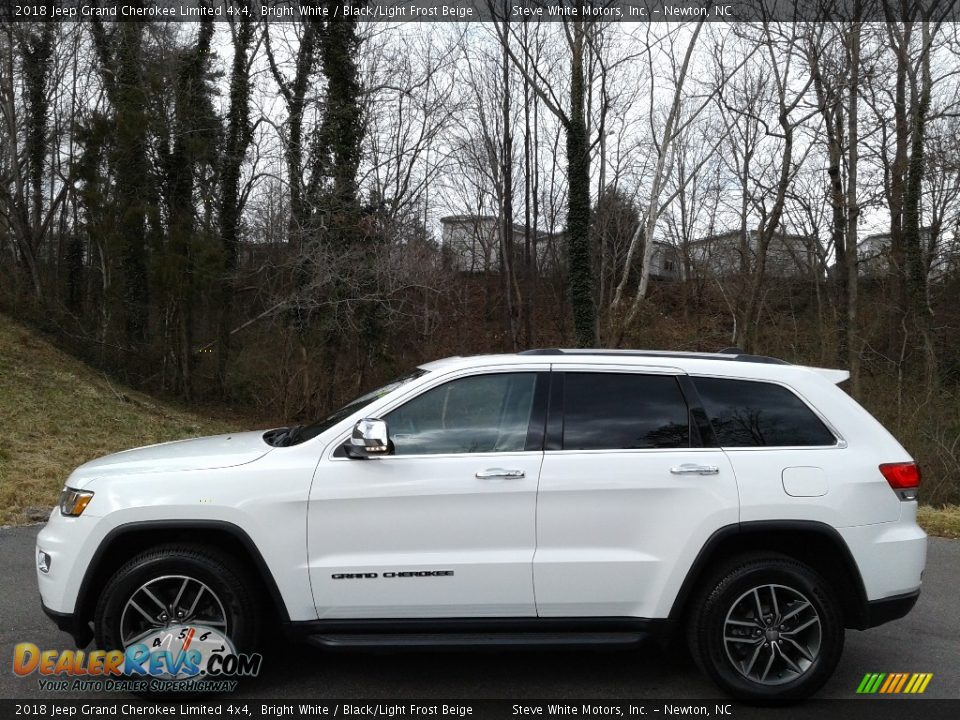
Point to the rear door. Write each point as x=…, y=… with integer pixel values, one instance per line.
x=630, y=490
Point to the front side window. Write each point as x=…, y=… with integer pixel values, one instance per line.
x=747, y=413
x=477, y=414
x=620, y=411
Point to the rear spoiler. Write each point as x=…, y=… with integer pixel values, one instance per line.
x=834, y=376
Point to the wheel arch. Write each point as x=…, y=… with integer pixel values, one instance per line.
x=814, y=543
x=125, y=541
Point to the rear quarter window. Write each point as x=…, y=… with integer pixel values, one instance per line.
x=747, y=413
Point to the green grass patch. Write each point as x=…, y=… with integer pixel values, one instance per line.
x=943, y=521
x=57, y=413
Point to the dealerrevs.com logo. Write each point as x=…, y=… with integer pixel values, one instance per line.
x=186, y=658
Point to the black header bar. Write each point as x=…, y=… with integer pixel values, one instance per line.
x=629, y=11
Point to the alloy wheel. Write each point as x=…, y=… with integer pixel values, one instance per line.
x=772, y=634
x=170, y=600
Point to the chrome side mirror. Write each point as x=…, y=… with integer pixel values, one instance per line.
x=369, y=439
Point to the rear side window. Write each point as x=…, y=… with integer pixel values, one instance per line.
x=619, y=411
x=746, y=413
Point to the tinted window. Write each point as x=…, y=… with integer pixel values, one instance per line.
x=604, y=411
x=752, y=414
x=483, y=413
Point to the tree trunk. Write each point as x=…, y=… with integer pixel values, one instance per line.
x=916, y=276
x=238, y=138
x=854, y=343
x=506, y=200
x=580, y=275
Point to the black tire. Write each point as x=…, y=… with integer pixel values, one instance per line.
x=234, y=589
x=805, y=647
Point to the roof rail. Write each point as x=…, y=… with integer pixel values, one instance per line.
x=730, y=354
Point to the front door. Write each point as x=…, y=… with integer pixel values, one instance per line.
x=445, y=525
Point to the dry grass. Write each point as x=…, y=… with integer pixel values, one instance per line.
x=943, y=522
x=57, y=413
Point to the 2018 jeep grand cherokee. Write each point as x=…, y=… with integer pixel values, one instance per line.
x=545, y=497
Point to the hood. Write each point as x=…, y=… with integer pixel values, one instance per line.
x=206, y=453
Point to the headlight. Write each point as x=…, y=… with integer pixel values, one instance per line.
x=74, y=502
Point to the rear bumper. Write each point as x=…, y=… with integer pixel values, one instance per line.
x=891, y=608
x=69, y=623
x=890, y=556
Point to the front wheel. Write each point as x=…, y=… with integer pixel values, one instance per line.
x=766, y=628
x=177, y=585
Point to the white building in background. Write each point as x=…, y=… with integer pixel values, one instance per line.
x=873, y=255
x=666, y=262
x=471, y=243
x=722, y=254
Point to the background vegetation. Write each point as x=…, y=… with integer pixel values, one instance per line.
x=57, y=413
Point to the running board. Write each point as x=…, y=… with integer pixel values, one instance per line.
x=473, y=640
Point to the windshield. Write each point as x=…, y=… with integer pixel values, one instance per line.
x=314, y=429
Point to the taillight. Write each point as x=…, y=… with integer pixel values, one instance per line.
x=903, y=477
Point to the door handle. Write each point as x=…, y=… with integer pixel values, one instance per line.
x=694, y=469
x=499, y=474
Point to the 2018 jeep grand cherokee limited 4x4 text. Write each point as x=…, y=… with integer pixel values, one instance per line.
x=548, y=496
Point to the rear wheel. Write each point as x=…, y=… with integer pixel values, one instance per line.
x=766, y=627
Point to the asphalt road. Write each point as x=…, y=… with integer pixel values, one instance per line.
x=927, y=640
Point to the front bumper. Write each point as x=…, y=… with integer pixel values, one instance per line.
x=69, y=543
x=69, y=623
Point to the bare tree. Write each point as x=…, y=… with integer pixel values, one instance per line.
x=832, y=53
x=645, y=232
x=578, y=34
x=782, y=93
x=911, y=43
x=239, y=135
x=26, y=214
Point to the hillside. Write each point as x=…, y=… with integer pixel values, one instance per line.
x=56, y=413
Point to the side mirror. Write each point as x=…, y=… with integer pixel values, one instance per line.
x=369, y=439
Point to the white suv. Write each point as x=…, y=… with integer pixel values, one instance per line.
x=552, y=496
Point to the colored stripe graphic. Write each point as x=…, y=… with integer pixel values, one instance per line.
x=870, y=683
x=903, y=681
x=893, y=683
x=891, y=679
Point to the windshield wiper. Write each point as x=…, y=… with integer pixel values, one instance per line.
x=284, y=437
x=293, y=435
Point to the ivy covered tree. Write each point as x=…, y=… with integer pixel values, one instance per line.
x=237, y=138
